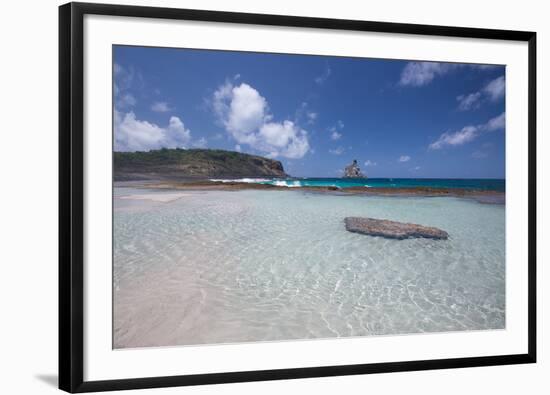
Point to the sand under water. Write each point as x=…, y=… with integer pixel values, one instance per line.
x=227, y=266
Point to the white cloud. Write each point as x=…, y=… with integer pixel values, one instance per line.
x=422, y=73
x=132, y=134
x=468, y=133
x=493, y=91
x=238, y=148
x=496, y=88
x=496, y=123
x=311, y=117
x=244, y=113
x=337, y=151
x=479, y=155
x=241, y=110
x=336, y=130
x=323, y=77
x=161, y=106
x=370, y=163
x=200, y=143
x=122, y=86
x=117, y=68
x=404, y=158
x=304, y=113
x=126, y=100
x=469, y=102
x=335, y=135
x=287, y=139
x=124, y=77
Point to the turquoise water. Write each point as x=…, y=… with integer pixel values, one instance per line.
x=207, y=267
x=479, y=184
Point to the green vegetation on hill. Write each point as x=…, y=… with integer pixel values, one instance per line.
x=192, y=163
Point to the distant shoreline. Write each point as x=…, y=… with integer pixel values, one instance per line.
x=482, y=196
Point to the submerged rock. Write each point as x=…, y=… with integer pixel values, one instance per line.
x=353, y=171
x=392, y=229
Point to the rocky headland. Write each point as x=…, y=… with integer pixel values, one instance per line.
x=183, y=164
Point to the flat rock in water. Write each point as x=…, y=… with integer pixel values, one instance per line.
x=392, y=229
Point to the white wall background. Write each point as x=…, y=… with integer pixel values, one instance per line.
x=28, y=198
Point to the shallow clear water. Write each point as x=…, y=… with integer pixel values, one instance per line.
x=236, y=266
x=497, y=185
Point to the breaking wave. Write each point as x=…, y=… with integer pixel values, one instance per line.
x=289, y=184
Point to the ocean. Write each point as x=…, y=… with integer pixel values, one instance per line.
x=207, y=267
x=497, y=185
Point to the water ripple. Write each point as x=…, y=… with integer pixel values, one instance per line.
x=221, y=266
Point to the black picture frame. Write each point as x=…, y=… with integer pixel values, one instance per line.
x=71, y=195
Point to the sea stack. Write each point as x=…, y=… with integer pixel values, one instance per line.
x=353, y=171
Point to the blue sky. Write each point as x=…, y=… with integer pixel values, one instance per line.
x=315, y=113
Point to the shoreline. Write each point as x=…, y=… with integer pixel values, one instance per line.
x=482, y=196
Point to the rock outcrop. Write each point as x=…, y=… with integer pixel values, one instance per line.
x=353, y=171
x=392, y=229
x=175, y=164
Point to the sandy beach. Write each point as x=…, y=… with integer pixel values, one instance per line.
x=206, y=263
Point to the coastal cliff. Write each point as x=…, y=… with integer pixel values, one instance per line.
x=192, y=163
x=353, y=171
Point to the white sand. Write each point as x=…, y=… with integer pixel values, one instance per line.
x=156, y=197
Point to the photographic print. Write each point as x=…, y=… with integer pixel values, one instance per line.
x=270, y=197
x=248, y=197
